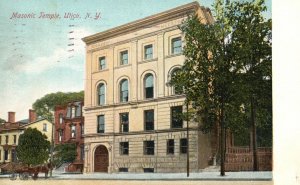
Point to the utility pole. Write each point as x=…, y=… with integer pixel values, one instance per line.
x=188, y=142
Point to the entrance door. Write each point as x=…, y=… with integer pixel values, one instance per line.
x=101, y=159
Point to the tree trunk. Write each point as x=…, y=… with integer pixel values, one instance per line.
x=254, y=142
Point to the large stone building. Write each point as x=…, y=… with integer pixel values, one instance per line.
x=69, y=127
x=131, y=113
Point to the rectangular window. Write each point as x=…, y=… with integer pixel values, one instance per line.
x=124, y=57
x=73, y=131
x=15, y=139
x=176, y=117
x=73, y=112
x=82, y=152
x=124, y=148
x=60, y=134
x=148, y=170
x=149, y=119
x=183, y=146
x=69, y=112
x=13, y=155
x=148, y=52
x=102, y=63
x=6, y=139
x=101, y=124
x=60, y=118
x=78, y=109
x=123, y=169
x=124, y=121
x=5, y=155
x=170, y=146
x=45, y=127
x=81, y=129
x=149, y=147
x=176, y=45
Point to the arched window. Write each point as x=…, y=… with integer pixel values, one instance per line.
x=101, y=94
x=148, y=83
x=124, y=91
x=176, y=90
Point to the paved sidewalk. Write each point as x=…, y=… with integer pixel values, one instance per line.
x=211, y=176
x=255, y=176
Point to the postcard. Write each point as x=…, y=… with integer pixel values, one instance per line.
x=136, y=92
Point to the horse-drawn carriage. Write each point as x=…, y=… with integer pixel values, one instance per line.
x=25, y=171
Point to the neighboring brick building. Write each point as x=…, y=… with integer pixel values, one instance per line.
x=130, y=110
x=69, y=127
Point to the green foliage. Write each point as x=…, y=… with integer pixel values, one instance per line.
x=2, y=121
x=33, y=148
x=45, y=106
x=64, y=153
x=228, y=64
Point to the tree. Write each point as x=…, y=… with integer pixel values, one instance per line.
x=33, y=147
x=252, y=51
x=2, y=121
x=45, y=106
x=65, y=153
x=213, y=75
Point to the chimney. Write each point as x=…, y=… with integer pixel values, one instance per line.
x=32, y=116
x=11, y=117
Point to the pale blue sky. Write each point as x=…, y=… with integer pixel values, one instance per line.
x=31, y=48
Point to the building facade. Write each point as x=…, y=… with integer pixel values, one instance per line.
x=11, y=131
x=131, y=111
x=69, y=127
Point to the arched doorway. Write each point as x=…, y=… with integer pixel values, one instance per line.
x=101, y=159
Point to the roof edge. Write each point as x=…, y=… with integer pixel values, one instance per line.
x=140, y=23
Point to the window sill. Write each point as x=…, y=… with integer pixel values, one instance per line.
x=148, y=60
x=99, y=71
x=122, y=66
x=173, y=55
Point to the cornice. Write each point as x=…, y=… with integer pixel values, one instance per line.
x=135, y=103
x=141, y=132
x=177, y=12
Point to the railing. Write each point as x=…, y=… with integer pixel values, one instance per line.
x=241, y=159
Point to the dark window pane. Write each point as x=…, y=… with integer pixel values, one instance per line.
x=101, y=124
x=148, y=170
x=170, y=146
x=149, y=147
x=149, y=120
x=123, y=169
x=176, y=117
x=183, y=146
x=149, y=92
x=124, y=120
x=149, y=86
x=176, y=45
x=124, y=148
